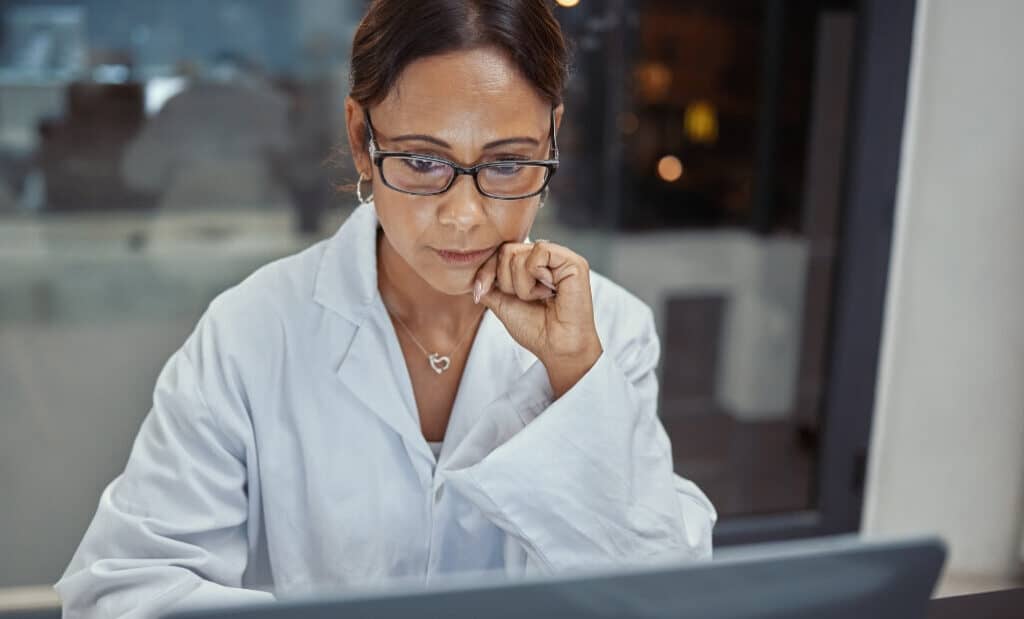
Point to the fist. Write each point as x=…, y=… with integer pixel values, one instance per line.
x=541, y=293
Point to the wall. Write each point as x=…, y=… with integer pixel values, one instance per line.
x=947, y=450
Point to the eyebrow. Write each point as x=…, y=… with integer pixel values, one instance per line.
x=496, y=143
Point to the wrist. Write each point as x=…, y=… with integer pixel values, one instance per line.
x=565, y=371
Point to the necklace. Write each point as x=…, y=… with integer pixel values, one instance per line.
x=438, y=362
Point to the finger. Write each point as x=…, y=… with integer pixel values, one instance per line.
x=534, y=283
x=485, y=276
x=519, y=317
x=570, y=273
x=545, y=284
x=505, y=255
x=538, y=264
x=522, y=281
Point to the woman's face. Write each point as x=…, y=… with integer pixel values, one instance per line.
x=458, y=104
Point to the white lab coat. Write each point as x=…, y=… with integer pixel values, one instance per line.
x=283, y=453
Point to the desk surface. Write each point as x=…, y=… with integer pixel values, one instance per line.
x=1007, y=604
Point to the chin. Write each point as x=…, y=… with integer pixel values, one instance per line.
x=452, y=282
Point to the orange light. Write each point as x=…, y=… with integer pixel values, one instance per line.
x=568, y=3
x=670, y=169
x=654, y=81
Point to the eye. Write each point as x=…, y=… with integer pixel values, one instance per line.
x=505, y=169
x=423, y=166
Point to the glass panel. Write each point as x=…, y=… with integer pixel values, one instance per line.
x=702, y=152
x=154, y=153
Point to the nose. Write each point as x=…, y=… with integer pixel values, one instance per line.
x=463, y=206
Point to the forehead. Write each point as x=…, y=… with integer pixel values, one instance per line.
x=467, y=95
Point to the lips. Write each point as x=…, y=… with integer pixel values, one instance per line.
x=463, y=257
x=466, y=252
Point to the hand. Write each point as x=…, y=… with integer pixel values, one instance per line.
x=541, y=293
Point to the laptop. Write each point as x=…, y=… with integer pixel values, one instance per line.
x=839, y=578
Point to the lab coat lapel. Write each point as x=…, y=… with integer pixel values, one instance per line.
x=369, y=372
x=371, y=366
x=484, y=416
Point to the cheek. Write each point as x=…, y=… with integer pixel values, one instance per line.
x=409, y=229
x=515, y=220
x=403, y=225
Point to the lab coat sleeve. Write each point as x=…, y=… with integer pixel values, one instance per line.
x=170, y=532
x=589, y=480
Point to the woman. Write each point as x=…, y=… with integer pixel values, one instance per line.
x=425, y=393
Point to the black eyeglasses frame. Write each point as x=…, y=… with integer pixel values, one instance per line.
x=378, y=156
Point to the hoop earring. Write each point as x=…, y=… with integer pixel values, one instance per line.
x=359, y=191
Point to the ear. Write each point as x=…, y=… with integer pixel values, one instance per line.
x=558, y=116
x=355, y=125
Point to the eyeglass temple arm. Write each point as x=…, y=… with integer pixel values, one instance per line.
x=372, y=141
x=554, y=140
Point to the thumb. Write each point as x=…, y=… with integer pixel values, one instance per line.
x=512, y=311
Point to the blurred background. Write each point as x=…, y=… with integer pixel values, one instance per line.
x=820, y=199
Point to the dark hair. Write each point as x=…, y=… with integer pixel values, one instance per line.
x=394, y=33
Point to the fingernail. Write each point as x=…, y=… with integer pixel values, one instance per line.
x=545, y=279
x=478, y=291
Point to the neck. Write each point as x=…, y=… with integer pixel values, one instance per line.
x=432, y=313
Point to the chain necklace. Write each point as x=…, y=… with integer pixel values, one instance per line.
x=438, y=362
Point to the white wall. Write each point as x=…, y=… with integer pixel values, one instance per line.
x=948, y=446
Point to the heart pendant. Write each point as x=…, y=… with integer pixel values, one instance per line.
x=439, y=363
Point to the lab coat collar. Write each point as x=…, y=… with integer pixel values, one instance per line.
x=346, y=279
x=346, y=284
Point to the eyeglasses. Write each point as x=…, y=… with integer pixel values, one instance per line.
x=426, y=175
